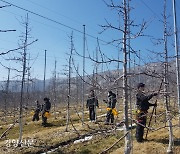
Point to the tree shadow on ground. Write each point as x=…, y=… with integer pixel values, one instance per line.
x=166, y=141
x=49, y=125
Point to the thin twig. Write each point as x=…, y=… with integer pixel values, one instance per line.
x=10, y=127
x=106, y=150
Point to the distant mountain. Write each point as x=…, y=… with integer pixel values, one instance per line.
x=15, y=85
x=106, y=80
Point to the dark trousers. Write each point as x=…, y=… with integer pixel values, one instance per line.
x=36, y=116
x=44, y=119
x=139, y=128
x=110, y=117
x=92, y=113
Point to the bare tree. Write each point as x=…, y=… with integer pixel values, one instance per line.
x=69, y=85
x=22, y=81
x=125, y=84
x=168, y=113
x=83, y=89
x=23, y=61
x=124, y=12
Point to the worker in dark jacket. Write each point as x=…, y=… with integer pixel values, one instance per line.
x=111, y=104
x=92, y=102
x=45, y=109
x=36, y=112
x=142, y=102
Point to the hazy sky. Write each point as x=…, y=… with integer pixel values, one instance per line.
x=66, y=16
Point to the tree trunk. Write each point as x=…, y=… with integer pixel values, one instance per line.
x=69, y=86
x=169, y=150
x=125, y=90
x=22, y=85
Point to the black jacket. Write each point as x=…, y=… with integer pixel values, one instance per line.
x=38, y=108
x=111, y=103
x=92, y=101
x=142, y=101
x=46, y=106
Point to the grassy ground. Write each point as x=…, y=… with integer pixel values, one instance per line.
x=54, y=135
x=157, y=143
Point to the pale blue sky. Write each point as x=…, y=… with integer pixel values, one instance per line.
x=55, y=39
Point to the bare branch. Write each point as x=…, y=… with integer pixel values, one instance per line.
x=13, y=30
x=6, y=52
x=10, y=68
x=110, y=26
x=106, y=150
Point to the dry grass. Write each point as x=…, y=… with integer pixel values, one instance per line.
x=44, y=137
x=157, y=143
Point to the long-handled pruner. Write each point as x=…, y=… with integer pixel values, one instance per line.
x=154, y=110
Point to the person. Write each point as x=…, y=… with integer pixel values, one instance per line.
x=36, y=112
x=111, y=104
x=92, y=102
x=45, y=109
x=142, y=102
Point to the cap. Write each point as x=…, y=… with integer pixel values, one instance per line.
x=46, y=99
x=140, y=85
